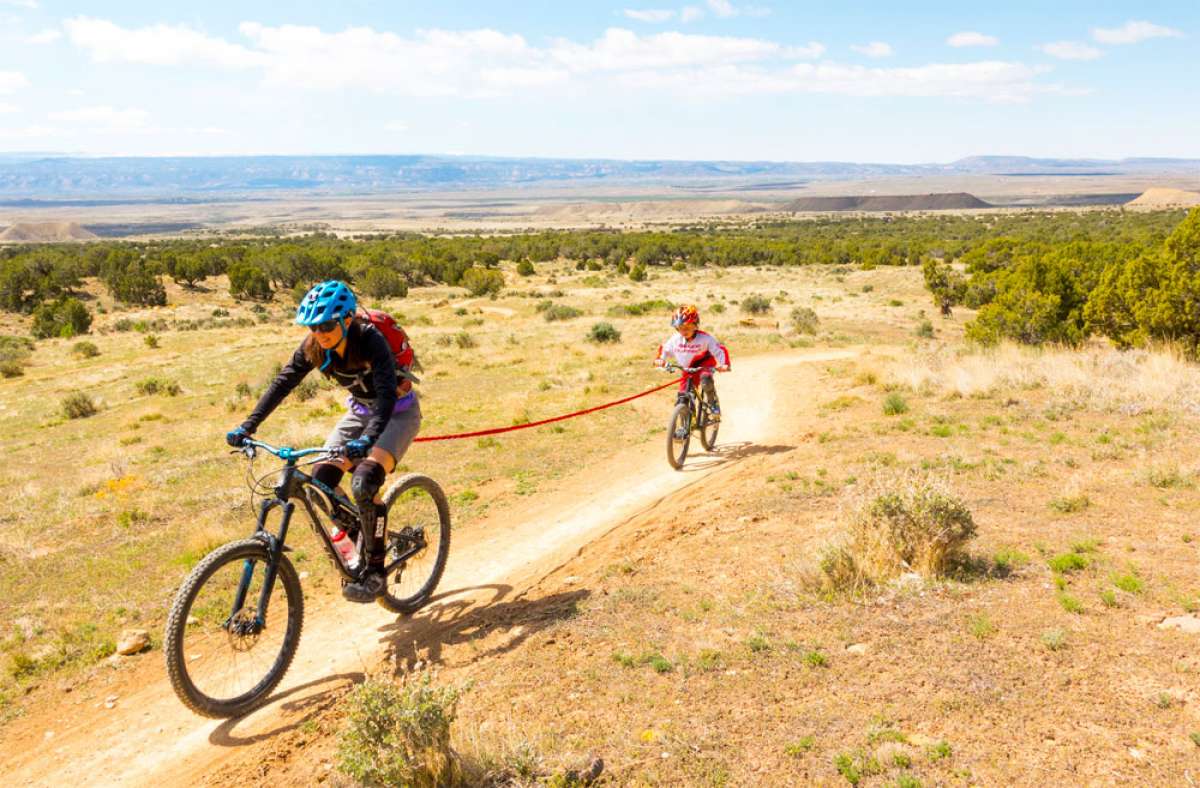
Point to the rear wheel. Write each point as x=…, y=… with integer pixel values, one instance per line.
x=709, y=425
x=679, y=435
x=222, y=659
x=418, y=517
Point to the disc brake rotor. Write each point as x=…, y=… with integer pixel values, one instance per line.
x=243, y=629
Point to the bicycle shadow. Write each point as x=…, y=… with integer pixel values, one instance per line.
x=723, y=454
x=467, y=618
x=308, y=706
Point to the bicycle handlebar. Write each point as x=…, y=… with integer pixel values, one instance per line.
x=283, y=452
x=677, y=368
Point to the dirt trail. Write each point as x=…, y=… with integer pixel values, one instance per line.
x=150, y=738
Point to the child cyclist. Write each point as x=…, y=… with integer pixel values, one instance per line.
x=379, y=426
x=691, y=347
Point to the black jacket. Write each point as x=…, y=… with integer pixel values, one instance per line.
x=375, y=382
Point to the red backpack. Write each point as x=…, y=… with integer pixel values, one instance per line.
x=397, y=339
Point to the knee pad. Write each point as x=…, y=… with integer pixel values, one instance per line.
x=329, y=475
x=368, y=478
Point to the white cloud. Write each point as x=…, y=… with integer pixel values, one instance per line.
x=810, y=51
x=722, y=8
x=690, y=13
x=104, y=117
x=12, y=81
x=1071, y=50
x=1133, y=32
x=970, y=38
x=163, y=45
x=996, y=81
x=397, y=126
x=488, y=63
x=873, y=49
x=624, y=50
x=6, y=109
x=650, y=15
x=48, y=36
x=30, y=4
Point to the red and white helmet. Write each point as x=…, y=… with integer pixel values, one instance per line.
x=685, y=314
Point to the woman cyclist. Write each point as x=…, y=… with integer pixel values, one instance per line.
x=376, y=431
x=691, y=347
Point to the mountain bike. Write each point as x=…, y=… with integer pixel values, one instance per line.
x=692, y=412
x=235, y=623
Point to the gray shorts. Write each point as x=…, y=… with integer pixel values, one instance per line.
x=397, y=436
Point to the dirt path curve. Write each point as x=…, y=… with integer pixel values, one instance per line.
x=149, y=738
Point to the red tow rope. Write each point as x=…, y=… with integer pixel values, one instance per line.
x=530, y=425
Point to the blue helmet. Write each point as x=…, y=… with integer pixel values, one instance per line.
x=331, y=300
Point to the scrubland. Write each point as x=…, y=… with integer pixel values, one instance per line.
x=1019, y=522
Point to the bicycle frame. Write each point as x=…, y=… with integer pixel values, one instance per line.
x=291, y=485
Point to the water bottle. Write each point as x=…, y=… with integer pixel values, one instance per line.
x=345, y=547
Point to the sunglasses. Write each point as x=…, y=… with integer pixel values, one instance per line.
x=325, y=327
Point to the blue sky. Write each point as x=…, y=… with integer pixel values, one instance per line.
x=698, y=79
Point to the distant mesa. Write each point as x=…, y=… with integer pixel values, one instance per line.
x=46, y=232
x=900, y=202
x=1161, y=197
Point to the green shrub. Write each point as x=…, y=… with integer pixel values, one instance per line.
x=64, y=318
x=78, y=406
x=307, y=389
x=924, y=330
x=894, y=405
x=604, y=332
x=481, y=281
x=85, y=349
x=638, y=273
x=525, y=268
x=11, y=369
x=464, y=340
x=560, y=312
x=400, y=735
x=756, y=305
x=151, y=386
x=248, y=281
x=151, y=340
x=383, y=283
x=804, y=320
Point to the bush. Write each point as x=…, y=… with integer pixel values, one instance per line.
x=400, y=735
x=756, y=305
x=464, y=340
x=525, y=268
x=151, y=386
x=560, y=312
x=894, y=405
x=85, y=349
x=909, y=522
x=481, y=281
x=804, y=320
x=641, y=308
x=384, y=283
x=78, y=406
x=604, y=332
x=65, y=318
x=638, y=273
x=11, y=369
x=247, y=281
x=151, y=340
x=307, y=389
x=924, y=330
x=16, y=349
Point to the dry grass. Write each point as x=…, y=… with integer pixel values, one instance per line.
x=1127, y=382
x=893, y=524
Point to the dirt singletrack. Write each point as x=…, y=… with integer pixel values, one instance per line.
x=148, y=737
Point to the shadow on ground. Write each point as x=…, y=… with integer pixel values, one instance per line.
x=462, y=617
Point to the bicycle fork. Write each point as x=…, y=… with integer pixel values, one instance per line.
x=270, y=569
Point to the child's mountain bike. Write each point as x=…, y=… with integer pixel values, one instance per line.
x=235, y=623
x=693, y=411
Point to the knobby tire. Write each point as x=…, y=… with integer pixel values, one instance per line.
x=681, y=419
x=416, y=600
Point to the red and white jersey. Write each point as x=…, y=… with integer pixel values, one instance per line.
x=701, y=350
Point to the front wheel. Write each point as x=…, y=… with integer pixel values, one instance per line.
x=418, y=525
x=679, y=435
x=225, y=651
